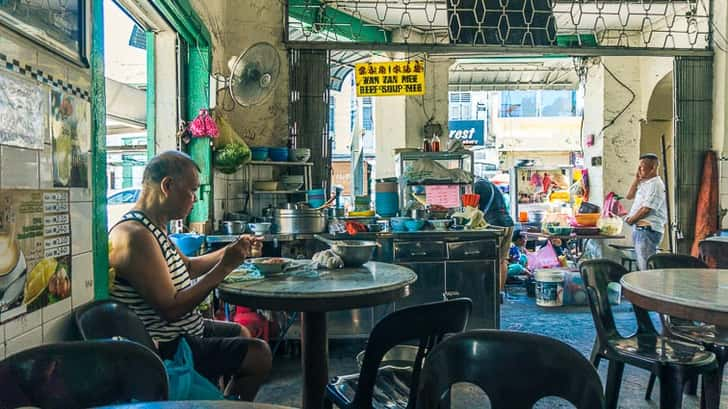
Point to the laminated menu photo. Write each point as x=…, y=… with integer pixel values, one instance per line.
x=35, y=250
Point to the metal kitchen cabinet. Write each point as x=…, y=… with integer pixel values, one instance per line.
x=429, y=287
x=477, y=280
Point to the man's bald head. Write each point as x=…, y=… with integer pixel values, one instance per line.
x=174, y=164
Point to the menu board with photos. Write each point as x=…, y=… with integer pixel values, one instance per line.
x=35, y=250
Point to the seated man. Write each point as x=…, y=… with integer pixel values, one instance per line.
x=153, y=278
x=517, y=259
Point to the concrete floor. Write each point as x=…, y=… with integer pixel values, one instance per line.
x=572, y=325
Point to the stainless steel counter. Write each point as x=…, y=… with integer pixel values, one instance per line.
x=449, y=264
x=221, y=238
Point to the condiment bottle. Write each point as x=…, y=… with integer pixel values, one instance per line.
x=426, y=146
x=435, y=144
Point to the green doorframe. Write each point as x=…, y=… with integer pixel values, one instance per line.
x=151, y=96
x=196, y=83
x=98, y=153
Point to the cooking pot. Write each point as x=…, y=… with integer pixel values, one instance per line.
x=232, y=226
x=300, y=221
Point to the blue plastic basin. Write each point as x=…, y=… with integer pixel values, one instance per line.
x=188, y=243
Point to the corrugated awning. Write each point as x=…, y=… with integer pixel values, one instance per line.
x=502, y=74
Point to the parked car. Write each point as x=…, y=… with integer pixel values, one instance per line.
x=120, y=202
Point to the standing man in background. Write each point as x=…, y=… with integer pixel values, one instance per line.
x=648, y=214
x=493, y=206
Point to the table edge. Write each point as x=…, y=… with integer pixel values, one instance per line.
x=673, y=300
x=318, y=295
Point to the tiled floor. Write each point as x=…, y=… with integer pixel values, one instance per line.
x=572, y=325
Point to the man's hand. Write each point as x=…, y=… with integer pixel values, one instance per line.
x=235, y=253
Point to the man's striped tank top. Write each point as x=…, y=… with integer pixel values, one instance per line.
x=122, y=291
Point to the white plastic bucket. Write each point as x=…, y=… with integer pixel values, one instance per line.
x=550, y=288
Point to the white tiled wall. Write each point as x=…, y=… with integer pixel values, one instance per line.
x=229, y=192
x=32, y=169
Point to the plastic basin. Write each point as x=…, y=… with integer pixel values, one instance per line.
x=188, y=243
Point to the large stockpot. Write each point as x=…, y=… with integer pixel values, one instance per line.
x=300, y=221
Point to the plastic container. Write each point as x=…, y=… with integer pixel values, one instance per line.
x=278, y=154
x=259, y=153
x=550, y=288
x=414, y=224
x=316, y=197
x=397, y=224
x=587, y=219
x=386, y=199
x=574, y=291
x=188, y=243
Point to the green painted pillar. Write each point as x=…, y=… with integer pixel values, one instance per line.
x=151, y=96
x=198, y=88
x=98, y=153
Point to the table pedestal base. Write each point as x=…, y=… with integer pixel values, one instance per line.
x=314, y=358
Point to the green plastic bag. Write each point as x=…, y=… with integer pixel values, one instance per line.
x=184, y=382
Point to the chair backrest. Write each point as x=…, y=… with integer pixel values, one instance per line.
x=107, y=319
x=714, y=253
x=82, y=374
x=426, y=323
x=597, y=274
x=668, y=260
x=500, y=362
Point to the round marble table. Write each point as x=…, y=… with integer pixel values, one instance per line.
x=314, y=295
x=698, y=294
x=196, y=404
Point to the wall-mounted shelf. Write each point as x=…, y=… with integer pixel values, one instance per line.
x=271, y=163
x=248, y=176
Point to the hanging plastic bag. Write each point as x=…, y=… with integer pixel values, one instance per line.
x=612, y=206
x=184, y=382
x=545, y=257
x=203, y=125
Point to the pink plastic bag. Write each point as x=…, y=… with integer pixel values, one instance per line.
x=545, y=257
x=612, y=206
x=203, y=125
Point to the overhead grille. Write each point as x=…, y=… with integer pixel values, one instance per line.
x=515, y=24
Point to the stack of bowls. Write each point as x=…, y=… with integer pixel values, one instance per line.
x=299, y=155
x=259, y=153
x=278, y=154
x=291, y=182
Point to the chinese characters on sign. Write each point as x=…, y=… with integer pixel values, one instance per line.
x=390, y=78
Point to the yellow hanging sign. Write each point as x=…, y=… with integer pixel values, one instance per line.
x=384, y=79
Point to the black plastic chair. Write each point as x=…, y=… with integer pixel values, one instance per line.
x=710, y=337
x=672, y=361
x=108, y=319
x=395, y=387
x=82, y=374
x=497, y=362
